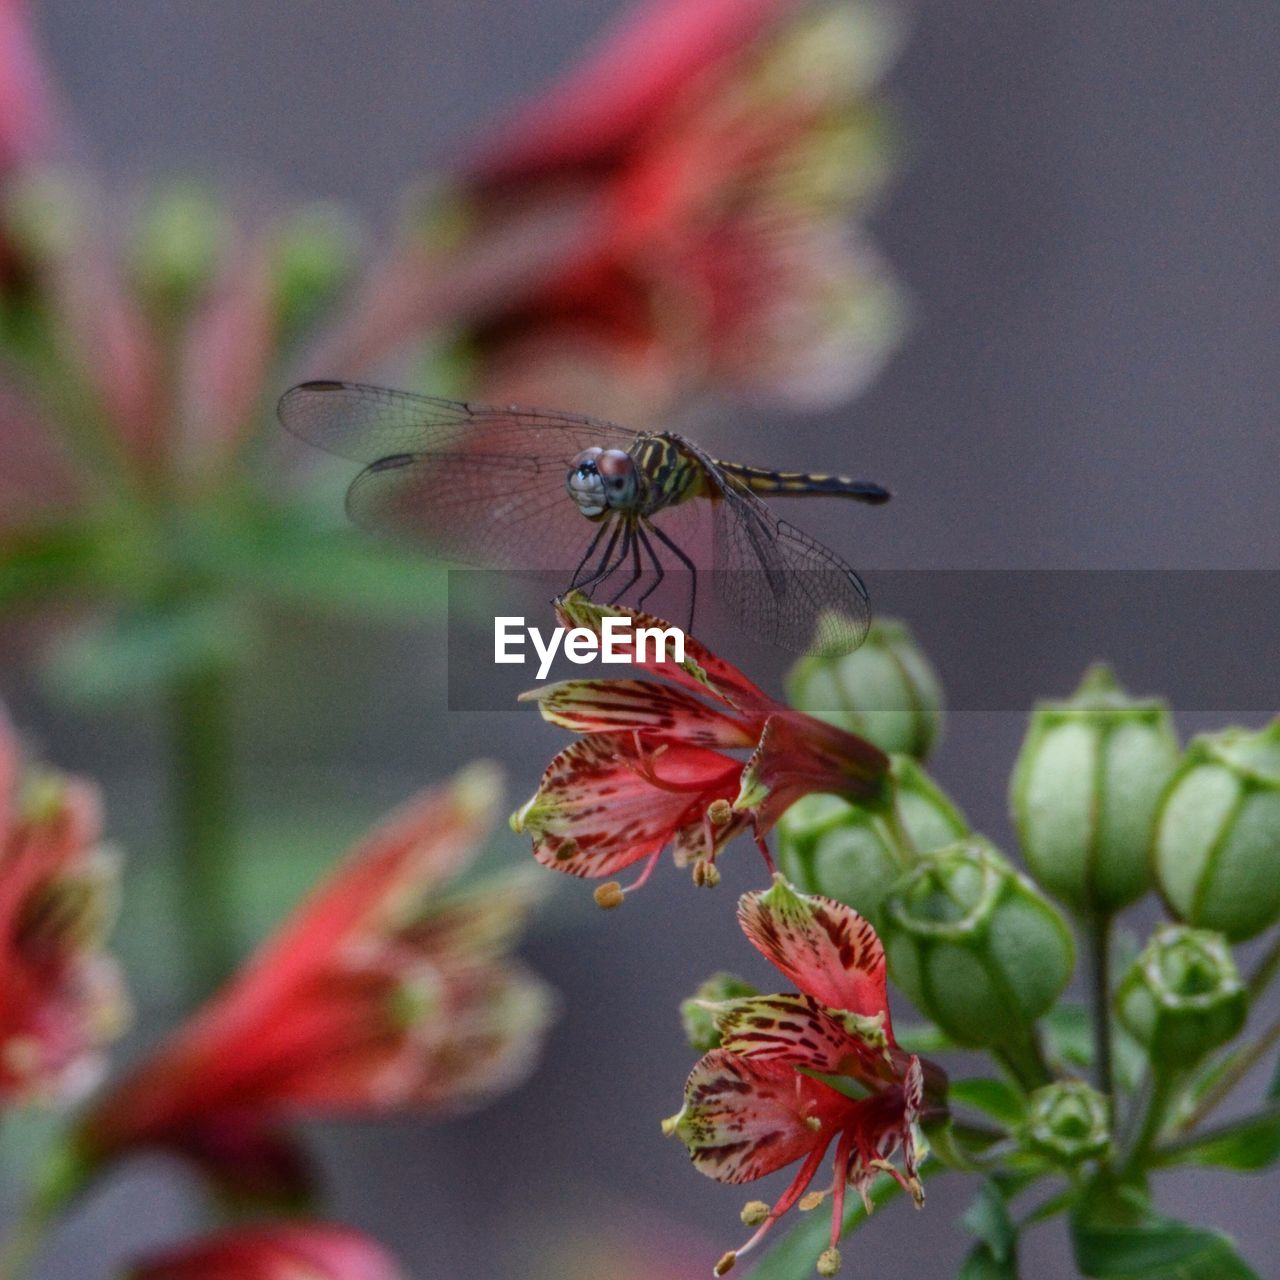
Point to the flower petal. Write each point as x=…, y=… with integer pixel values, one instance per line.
x=701, y=672
x=606, y=801
x=610, y=706
x=826, y=948
x=796, y=1029
x=742, y=1120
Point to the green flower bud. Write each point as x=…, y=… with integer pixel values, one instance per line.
x=178, y=244
x=698, y=1012
x=1182, y=997
x=1068, y=1122
x=1217, y=835
x=974, y=944
x=313, y=257
x=827, y=845
x=885, y=690
x=1085, y=790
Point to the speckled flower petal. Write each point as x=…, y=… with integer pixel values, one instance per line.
x=742, y=1120
x=607, y=801
x=826, y=948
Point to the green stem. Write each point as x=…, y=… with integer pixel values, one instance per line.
x=1098, y=934
x=1153, y=1110
x=1241, y=1064
x=201, y=723
x=1266, y=971
x=1025, y=1061
x=906, y=847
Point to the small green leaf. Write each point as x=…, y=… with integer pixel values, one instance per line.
x=142, y=651
x=1122, y=1238
x=982, y=1264
x=924, y=1037
x=1244, y=1145
x=989, y=1219
x=995, y=1098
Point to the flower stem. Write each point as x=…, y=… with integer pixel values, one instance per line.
x=1267, y=969
x=1153, y=1108
x=1241, y=1065
x=201, y=727
x=1098, y=934
x=1025, y=1061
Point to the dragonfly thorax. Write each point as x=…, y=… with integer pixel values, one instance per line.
x=601, y=480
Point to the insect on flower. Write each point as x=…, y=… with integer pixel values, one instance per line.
x=780, y=1087
x=532, y=488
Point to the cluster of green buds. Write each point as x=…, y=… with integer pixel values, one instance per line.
x=1217, y=838
x=886, y=690
x=1085, y=789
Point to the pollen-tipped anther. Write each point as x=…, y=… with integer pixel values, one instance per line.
x=725, y=1265
x=829, y=1262
x=754, y=1212
x=608, y=896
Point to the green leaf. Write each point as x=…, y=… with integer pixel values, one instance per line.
x=1068, y=1032
x=1118, y=1236
x=982, y=1264
x=1244, y=1145
x=989, y=1219
x=45, y=562
x=795, y=1254
x=924, y=1038
x=1273, y=1090
x=145, y=650
x=995, y=1098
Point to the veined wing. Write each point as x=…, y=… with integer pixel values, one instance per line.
x=367, y=423
x=478, y=483
x=785, y=586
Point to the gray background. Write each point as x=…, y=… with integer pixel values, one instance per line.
x=1087, y=226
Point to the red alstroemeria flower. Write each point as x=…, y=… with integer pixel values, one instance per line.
x=652, y=769
x=314, y=1250
x=774, y=1092
x=61, y=998
x=719, y=152
x=671, y=216
x=25, y=108
x=383, y=992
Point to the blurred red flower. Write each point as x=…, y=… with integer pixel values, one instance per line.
x=767, y=1096
x=384, y=992
x=25, y=108
x=61, y=998
x=672, y=215
x=314, y=1250
x=652, y=768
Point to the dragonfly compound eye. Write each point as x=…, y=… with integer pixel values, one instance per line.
x=619, y=473
x=585, y=483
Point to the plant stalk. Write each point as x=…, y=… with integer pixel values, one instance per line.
x=1098, y=934
x=204, y=824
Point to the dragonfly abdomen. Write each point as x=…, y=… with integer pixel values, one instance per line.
x=762, y=480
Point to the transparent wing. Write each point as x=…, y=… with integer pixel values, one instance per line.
x=478, y=484
x=784, y=585
x=366, y=424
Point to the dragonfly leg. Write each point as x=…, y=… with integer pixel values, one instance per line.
x=657, y=565
x=688, y=564
x=603, y=567
x=591, y=546
x=631, y=541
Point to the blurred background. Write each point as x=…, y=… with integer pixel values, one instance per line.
x=1083, y=222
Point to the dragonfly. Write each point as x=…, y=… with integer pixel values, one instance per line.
x=516, y=488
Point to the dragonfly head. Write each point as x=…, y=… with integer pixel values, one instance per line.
x=602, y=479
